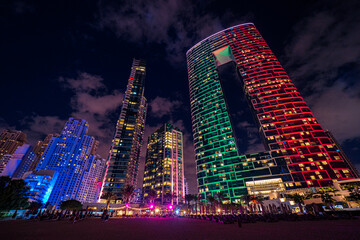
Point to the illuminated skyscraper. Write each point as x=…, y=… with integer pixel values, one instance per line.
x=26, y=156
x=39, y=150
x=123, y=163
x=300, y=154
x=92, y=180
x=71, y=157
x=164, y=166
x=10, y=140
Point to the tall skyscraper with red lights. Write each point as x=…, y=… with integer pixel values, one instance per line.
x=299, y=152
x=123, y=164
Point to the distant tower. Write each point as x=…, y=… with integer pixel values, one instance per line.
x=164, y=166
x=70, y=155
x=26, y=157
x=39, y=150
x=123, y=163
x=15, y=165
x=10, y=140
x=186, y=186
x=93, y=176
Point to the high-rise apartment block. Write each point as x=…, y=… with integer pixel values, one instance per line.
x=26, y=156
x=123, y=163
x=39, y=150
x=41, y=184
x=15, y=165
x=164, y=166
x=299, y=152
x=71, y=156
x=93, y=176
x=10, y=140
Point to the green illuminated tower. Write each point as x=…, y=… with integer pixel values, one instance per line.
x=299, y=152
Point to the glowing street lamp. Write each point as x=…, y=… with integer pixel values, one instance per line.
x=127, y=205
x=171, y=207
x=151, y=206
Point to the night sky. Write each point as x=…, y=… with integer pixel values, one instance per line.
x=61, y=59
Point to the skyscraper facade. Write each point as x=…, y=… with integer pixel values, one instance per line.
x=26, y=156
x=164, y=166
x=123, y=163
x=10, y=140
x=39, y=150
x=92, y=180
x=298, y=150
x=70, y=156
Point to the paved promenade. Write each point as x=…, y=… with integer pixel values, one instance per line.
x=169, y=228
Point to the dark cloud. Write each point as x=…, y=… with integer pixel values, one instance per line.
x=92, y=101
x=174, y=24
x=22, y=7
x=323, y=47
x=252, y=137
x=160, y=107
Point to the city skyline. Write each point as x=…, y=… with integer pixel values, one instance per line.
x=78, y=66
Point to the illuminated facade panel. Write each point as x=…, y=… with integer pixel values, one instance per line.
x=123, y=163
x=39, y=150
x=26, y=157
x=164, y=166
x=291, y=134
x=92, y=180
x=69, y=155
x=10, y=140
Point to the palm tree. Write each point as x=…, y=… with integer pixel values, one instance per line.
x=220, y=197
x=188, y=199
x=196, y=200
x=152, y=195
x=354, y=195
x=108, y=196
x=328, y=200
x=13, y=194
x=212, y=202
x=127, y=192
x=299, y=200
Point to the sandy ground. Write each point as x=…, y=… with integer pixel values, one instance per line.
x=178, y=228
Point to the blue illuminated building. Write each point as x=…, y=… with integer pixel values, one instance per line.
x=26, y=157
x=41, y=184
x=69, y=155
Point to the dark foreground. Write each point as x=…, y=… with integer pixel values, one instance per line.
x=178, y=228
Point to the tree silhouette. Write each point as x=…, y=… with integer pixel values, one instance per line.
x=188, y=199
x=13, y=194
x=127, y=192
x=152, y=195
x=299, y=200
x=71, y=205
x=108, y=196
